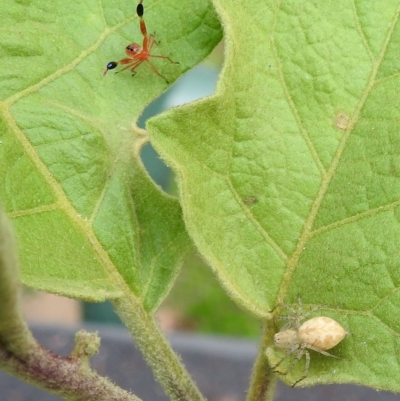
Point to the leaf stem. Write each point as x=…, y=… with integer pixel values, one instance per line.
x=166, y=365
x=263, y=380
x=14, y=332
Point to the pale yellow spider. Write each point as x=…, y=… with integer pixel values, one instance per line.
x=318, y=334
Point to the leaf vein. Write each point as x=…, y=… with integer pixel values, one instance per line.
x=326, y=179
x=256, y=224
x=354, y=218
x=34, y=210
x=153, y=262
x=68, y=67
x=303, y=132
x=361, y=32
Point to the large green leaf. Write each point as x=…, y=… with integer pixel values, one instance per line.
x=290, y=174
x=89, y=220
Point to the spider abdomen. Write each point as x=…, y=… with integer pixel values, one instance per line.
x=321, y=332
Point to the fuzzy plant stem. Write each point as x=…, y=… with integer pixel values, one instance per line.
x=263, y=380
x=20, y=355
x=166, y=365
x=14, y=332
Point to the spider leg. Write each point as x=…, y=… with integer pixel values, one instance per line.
x=153, y=37
x=294, y=318
x=290, y=309
x=275, y=366
x=135, y=65
x=156, y=71
x=301, y=314
x=291, y=324
x=297, y=315
x=150, y=43
x=142, y=24
x=293, y=350
x=165, y=57
x=320, y=351
x=132, y=65
x=306, y=368
x=300, y=354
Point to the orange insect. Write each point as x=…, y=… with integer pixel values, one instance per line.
x=138, y=54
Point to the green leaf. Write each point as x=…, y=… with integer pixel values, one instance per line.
x=90, y=222
x=289, y=175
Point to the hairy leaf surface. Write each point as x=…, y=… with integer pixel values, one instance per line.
x=90, y=222
x=290, y=175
